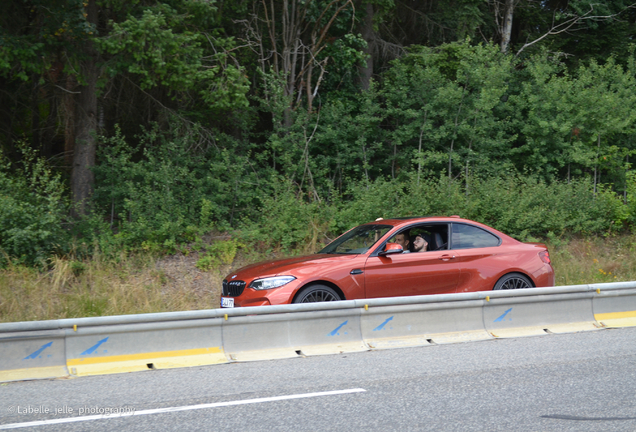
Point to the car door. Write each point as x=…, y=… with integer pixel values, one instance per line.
x=407, y=274
x=477, y=251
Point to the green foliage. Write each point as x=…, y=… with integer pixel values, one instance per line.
x=444, y=101
x=33, y=210
x=527, y=207
x=570, y=121
x=219, y=253
x=537, y=145
x=598, y=38
x=521, y=206
x=167, y=192
x=345, y=55
x=444, y=133
x=367, y=202
x=287, y=221
x=631, y=197
x=160, y=50
x=434, y=23
x=33, y=33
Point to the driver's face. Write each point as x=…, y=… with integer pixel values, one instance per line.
x=402, y=241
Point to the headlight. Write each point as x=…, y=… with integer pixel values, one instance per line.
x=271, y=282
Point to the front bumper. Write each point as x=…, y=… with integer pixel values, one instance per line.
x=275, y=296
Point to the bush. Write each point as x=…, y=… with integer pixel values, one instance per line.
x=287, y=221
x=525, y=207
x=219, y=253
x=33, y=209
x=167, y=191
x=521, y=206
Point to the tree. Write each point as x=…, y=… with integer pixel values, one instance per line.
x=441, y=99
x=84, y=45
x=543, y=20
x=291, y=39
x=567, y=121
x=605, y=98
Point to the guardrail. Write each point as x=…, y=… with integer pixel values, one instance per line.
x=115, y=344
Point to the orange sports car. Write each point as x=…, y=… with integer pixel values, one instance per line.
x=395, y=257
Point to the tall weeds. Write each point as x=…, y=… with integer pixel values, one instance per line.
x=97, y=287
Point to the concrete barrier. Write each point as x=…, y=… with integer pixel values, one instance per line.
x=511, y=316
x=423, y=324
x=615, y=304
x=102, y=345
x=31, y=355
x=144, y=346
x=286, y=335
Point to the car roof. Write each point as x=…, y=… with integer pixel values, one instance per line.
x=405, y=221
x=396, y=221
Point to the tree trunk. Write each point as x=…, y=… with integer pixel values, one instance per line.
x=69, y=121
x=506, y=30
x=450, y=153
x=82, y=177
x=35, y=114
x=596, y=171
x=626, y=174
x=393, y=162
x=366, y=30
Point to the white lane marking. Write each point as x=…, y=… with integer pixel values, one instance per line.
x=176, y=409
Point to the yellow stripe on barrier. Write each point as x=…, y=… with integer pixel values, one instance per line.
x=615, y=315
x=145, y=361
x=33, y=373
x=617, y=319
x=143, y=356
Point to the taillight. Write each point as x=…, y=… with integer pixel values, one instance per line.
x=545, y=257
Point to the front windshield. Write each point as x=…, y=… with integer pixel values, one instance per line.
x=357, y=241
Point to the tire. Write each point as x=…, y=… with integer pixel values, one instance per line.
x=513, y=281
x=316, y=293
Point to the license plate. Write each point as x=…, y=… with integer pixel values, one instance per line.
x=227, y=302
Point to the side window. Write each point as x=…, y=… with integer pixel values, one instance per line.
x=468, y=236
x=436, y=236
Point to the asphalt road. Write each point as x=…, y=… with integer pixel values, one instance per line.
x=568, y=382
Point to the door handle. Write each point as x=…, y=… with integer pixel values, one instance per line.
x=447, y=257
x=356, y=271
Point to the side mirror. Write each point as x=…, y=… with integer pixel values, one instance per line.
x=390, y=249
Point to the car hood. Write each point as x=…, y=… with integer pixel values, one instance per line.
x=291, y=266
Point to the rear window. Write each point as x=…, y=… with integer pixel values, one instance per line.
x=468, y=236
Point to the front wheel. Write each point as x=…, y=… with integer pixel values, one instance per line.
x=513, y=281
x=317, y=293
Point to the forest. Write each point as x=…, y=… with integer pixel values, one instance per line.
x=140, y=125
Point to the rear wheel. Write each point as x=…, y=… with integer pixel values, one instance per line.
x=513, y=281
x=317, y=293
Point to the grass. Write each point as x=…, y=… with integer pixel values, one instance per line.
x=595, y=260
x=129, y=285
x=132, y=284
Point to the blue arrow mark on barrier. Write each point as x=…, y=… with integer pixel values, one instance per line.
x=381, y=326
x=92, y=349
x=501, y=318
x=335, y=332
x=38, y=352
